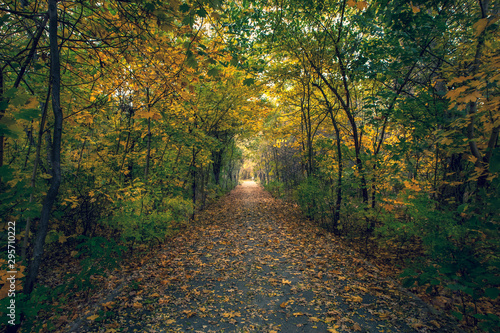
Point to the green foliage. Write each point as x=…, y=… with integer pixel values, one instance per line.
x=14, y=195
x=137, y=222
x=276, y=188
x=459, y=249
x=97, y=255
x=315, y=199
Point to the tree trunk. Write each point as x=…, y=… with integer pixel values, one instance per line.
x=55, y=78
x=217, y=164
x=148, y=153
x=2, y=113
x=35, y=168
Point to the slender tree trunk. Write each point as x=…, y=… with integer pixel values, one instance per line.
x=35, y=168
x=2, y=113
x=193, y=175
x=55, y=78
x=217, y=164
x=338, y=203
x=148, y=154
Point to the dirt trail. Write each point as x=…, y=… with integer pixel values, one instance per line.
x=255, y=265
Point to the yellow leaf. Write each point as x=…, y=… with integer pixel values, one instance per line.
x=446, y=141
x=383, y=315
x=231, y=314
x=286, y=281
x=472, y=97
x=453, y=94
x=414, y=9
x=315, y=319
x=189, y=313
x=137, y=305
x=155, y=295
x=460, y=79
x=332, y=330
x=284, y=304
x=296, y=314
x=417, y=325
x=362, y=289
x=94, y=317
x=356, y=299
x=361, y=5
x=480, y=26
x=62, y=239
x=108, y=305
x=170, y=321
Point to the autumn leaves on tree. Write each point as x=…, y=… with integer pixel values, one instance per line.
x=119, y=120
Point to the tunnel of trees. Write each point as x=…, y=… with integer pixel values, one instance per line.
x=120, y=120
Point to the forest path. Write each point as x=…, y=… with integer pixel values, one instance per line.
x=254, y=264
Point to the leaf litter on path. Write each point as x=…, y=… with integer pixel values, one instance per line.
x=254, y=264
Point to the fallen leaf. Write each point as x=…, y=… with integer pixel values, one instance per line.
x=94, y=317
x=231, y=314
x=356, y=299
x=417, y=324
x=108, y=305
x=189, y=313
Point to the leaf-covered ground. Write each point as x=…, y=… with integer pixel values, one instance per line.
x=255, y=265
